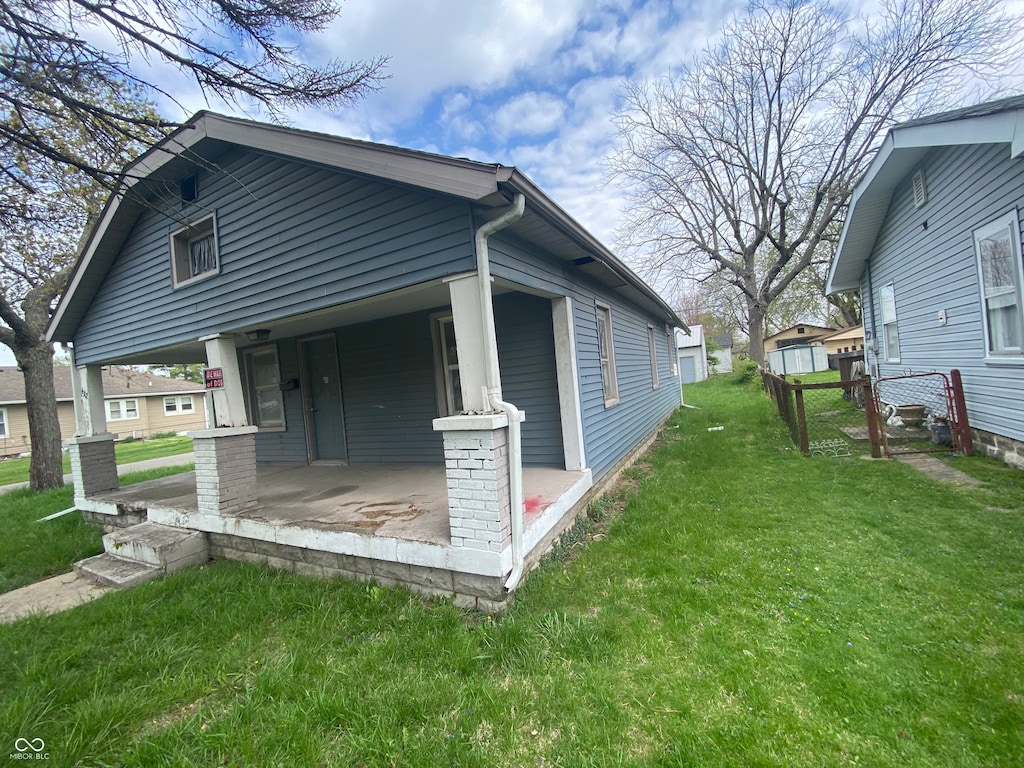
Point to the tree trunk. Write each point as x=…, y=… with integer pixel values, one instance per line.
x=755, y=330
x=36, y=361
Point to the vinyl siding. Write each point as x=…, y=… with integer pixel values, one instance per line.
x=526, y=355
x=291, y=237
x=936, y=269
x=388, y=390
x=609, y=433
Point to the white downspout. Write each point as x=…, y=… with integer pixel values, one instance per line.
x=493, y=382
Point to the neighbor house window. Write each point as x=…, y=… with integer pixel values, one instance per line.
x=890, y=329
x=654, y=355
x=266, y=401
x=119, y=410
x=3, y=423
x=998, y=251
x=179, y=406
x=446, y=363
x=606, y=347
x=194, y=253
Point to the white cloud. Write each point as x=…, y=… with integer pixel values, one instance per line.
x=529, y=114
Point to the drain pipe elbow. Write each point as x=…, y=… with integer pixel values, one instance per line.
x=516, y=504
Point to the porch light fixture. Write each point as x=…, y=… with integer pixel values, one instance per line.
x=260, y=334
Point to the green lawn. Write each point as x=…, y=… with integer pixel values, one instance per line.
x=31, y=551
x=16, y=470
x=743, y=606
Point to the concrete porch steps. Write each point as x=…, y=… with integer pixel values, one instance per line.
x=144, y=552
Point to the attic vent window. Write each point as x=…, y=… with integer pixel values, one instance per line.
x=189, y=188
x=920, y=190
x=194, y=254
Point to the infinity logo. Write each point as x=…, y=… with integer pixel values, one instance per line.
x=24, y=745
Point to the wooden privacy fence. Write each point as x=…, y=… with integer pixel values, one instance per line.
x=912, y=413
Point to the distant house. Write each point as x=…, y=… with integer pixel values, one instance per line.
x=802, y=333
x=136, y=404
x=933, y=242
x=369, y=313
x=693, y=354
x=844, y=340
x=723, y=353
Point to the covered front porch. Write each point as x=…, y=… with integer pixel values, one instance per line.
x=389, y=523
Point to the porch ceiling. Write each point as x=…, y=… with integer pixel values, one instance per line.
x=413, y=299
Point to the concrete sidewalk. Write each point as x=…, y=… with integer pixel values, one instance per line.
x=137, y=466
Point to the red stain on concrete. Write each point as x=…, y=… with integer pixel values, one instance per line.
x=534, y=504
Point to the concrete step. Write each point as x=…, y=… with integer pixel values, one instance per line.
x=160, y=546
x=115, y=572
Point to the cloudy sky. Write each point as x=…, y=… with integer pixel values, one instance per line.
x=529, y=83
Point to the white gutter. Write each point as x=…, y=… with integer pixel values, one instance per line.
x=493, y=382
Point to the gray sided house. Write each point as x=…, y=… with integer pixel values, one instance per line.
x=933, y=243
x=374, y=314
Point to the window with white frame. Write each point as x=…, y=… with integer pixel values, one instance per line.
x=121, y=410
x=263, y=375
x=654, y=356
x=606, y=347
x=179, y=405
x=3, y=424
x=446, y=364
x=194, y=254
x=998, y=251
x=890, y=328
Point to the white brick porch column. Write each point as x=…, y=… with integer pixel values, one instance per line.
x=226, y=454
x=225, y=469
x=93, y=464
x=476, y=465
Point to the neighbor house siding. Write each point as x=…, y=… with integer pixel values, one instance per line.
x=529, y=380
x=934, y=268
x=388, y=390
x=609, y=433
x=292, y=238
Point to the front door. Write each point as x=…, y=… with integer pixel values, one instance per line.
x=325, y=421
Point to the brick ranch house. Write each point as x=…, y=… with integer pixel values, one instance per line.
x=136, y=404
x=428, y=366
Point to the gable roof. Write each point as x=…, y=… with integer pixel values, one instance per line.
x=904, y=146
x=724, y=340
x=695, y=338
x=207, y=135
x=810, y=326
x=117, y=383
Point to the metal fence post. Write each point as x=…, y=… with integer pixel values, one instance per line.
x=963, y=427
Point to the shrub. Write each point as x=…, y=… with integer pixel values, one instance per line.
x=746, y=373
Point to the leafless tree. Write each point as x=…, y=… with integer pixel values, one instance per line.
x=741, y=162
x=74, y=108
x=54, y=53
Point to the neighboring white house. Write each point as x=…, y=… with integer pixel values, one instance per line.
x=693, y=355
x=933, y=242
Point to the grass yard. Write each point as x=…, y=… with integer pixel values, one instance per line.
x=735, y=604
x=31, y=551
x=16, y=470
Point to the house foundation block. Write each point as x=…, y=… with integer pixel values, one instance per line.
x=225, y=469
x=999, y=447
x=93, y=465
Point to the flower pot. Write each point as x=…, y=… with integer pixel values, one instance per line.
x=911, y=415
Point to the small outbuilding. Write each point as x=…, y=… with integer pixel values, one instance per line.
x=693, y=354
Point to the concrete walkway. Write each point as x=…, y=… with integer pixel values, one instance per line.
x=937, y=469
x=137, y=466
x=49, y=596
